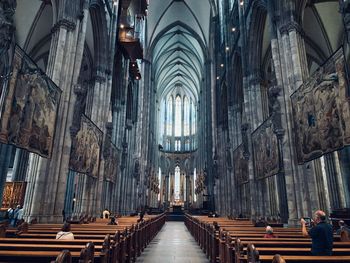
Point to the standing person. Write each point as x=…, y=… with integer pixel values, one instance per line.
x=11, y=214
x=63, y=215
x=321, y=234
x=65, y=233
x=19, y=214
x=15, y=215
x=140, y=220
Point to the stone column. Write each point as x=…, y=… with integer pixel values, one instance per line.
x=344, y=159
x=78, y=198
x=345, y=10
x=7, y=31
x=64, y=68
x=68, y=202
x=291, y=69
x=20, y=165
x=166, y=199
x=332, y=181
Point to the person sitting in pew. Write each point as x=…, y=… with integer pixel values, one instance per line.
x=140, y=220
x=65, y=233
x=321, y=234
x=269, y=232
x=105, y=213
x=342, y=226
x=113, y=221
x=278, y=259
x=261, y=222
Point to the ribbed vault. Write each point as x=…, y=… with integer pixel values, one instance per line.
x=178, y=37
x=178, y=32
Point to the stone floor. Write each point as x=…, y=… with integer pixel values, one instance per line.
x=173, y=244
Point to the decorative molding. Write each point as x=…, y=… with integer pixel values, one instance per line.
x=64, y=23
x=99, y=79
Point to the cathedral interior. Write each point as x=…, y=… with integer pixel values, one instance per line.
x=238, y=107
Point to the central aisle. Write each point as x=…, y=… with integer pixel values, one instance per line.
x=173, y=244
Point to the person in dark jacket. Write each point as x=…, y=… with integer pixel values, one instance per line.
x=321, y=234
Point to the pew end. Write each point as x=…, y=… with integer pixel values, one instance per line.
x=64, y=257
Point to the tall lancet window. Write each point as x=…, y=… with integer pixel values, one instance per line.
x=177, y=183
x=178, y=116
x=169, y=130
x=194, y=118
x=186, y=117
x=194, y=185
x=162, y=122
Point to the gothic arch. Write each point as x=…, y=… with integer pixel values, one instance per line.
x=256, y=35
x=99, y=27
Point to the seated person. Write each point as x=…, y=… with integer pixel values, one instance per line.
x=261, y=223
x=278, y=259
x=65, y=233
x=113, y=222
x=269, y=233
x=216, y=214
x=321, y=234
x=105, y=213
x=342, y=226
x=141, y=218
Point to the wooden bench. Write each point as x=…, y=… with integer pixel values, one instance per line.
x=231, y=241
x=111, y=243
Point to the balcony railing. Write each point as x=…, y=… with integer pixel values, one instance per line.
x=130, y=43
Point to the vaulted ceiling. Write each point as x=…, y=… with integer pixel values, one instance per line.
x=177, y=37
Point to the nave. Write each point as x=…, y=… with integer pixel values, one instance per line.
x=173, y=244
x=239, y=108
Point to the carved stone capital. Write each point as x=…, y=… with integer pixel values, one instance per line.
x=279, y=133
x=245, y=127
x=291, y=26
x=79, y=90
x=100, y=79
x=63, y=23
x=255, y=80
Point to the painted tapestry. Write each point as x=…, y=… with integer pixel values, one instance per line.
x=28, y=116
x=240, y=164
x=321, y=111
x=265, y=150
x=110, y=154
x=86, y=148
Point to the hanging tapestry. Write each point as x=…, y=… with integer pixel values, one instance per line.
x=29, y=112
x=86, y=148
x=265, y=150
x=321, y=111
x=110, y=154
x=240, y=163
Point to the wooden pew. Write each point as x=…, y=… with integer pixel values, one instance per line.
x=220, y=246
x=123, y=243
